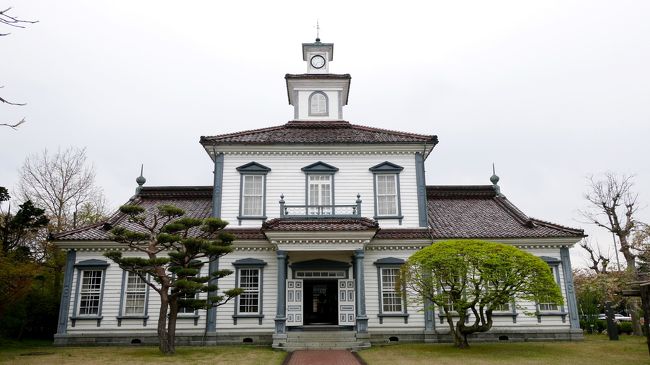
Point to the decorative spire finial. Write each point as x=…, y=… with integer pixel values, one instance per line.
x=317, y=31
x=495, y=179
x=140, y=180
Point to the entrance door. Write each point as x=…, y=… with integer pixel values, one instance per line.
x=320, y=302
x=294, y=302
x=346, y=302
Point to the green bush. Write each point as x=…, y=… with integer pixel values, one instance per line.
x=601, y=325
x=625, y=327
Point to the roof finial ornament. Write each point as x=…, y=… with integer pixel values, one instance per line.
x=140, y=180
x=317, y=31
x=495, y=179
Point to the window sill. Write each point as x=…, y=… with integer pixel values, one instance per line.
x=381, y=316
x=235, y=317
x=127, y=317
x=252, y=217
x=397, y=217
x=74, y=319
x=551, y=314
x=193, y=316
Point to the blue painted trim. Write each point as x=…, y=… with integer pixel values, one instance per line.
x=218, y=185
x=421, y=189
x=211, y=315
x=569, y=288
x=387, y=168
x=281, y=304
x=360, y=292
x=64, y=309
x=122, y=296
x=249, y=262
x=92, y=264
x=252, y=168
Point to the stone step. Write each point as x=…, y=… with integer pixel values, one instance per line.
x=322, y=336
x=320, y=346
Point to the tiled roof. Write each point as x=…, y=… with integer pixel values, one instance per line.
x=195, y=200
x=320, y=224
x=318, y=132
x=477, y=212
x=473, y=211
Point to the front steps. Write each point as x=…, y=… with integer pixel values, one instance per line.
x=321, y=340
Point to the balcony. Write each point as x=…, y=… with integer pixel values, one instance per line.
x=320, y=211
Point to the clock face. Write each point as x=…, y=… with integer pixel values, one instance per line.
x=317, y=61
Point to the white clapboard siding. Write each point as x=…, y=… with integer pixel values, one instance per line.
x=352, y=178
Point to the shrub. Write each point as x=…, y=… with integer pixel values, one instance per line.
x=625, y=327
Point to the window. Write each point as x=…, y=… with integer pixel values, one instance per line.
x=391, y=298
x=252, y=195
x=391, y=301
x=186, y=310
x=252, y=198
x=90, y=292
x=135, y=295
x=386, y=186
x=318, y=104
x=319, y=185
x=320, y=190
x=249, y=300
x=545, y=306
x=249, y=275
x=386, y=194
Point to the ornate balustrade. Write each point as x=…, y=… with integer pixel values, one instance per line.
x=320, y=211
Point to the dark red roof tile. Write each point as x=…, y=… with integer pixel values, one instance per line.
x=318, y=132
x=320, y=224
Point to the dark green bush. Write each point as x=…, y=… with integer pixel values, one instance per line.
x=625, y=327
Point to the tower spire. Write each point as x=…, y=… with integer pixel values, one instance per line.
x=317, y=31
x=140, y=180
x=494, y=179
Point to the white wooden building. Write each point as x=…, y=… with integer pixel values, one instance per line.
x=325, y=212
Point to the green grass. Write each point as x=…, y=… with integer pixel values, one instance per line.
x=596, y=349
x=44, y=353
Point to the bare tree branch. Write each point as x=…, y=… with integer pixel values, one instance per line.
x=599, y=262
x=15, y=125
x=13, y=21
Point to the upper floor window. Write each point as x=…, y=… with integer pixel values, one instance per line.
x=252, y=198
x=318, y=104
x=386, y=187
x=319, y=186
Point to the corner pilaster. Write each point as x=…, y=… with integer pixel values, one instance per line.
x=570, y=290
x=64, y=310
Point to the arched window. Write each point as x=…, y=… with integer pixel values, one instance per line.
x=318, y=103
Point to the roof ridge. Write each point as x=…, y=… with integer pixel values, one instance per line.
x=244, y=132
x=80, y=229
x=514, y=211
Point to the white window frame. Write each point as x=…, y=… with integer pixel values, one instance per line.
x=132, y=292
x=394, y=295
x=83, y=267
x=246, y=265
x=319, y=181
x=97, y=292
x=322, y=106
x=384, y=209
x=251, y=293
x=253, y=179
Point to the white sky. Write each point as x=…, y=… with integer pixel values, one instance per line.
x=551, y=91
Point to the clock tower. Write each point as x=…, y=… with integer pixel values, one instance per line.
x=318, y=94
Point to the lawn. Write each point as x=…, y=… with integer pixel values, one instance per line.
x=44, y=353
x=596, y=349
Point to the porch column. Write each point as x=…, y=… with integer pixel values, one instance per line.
x=568, y=285
x=360, y=291
x=62, y=326
x=281, y=306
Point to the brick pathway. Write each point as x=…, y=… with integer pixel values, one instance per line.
x=322, y=357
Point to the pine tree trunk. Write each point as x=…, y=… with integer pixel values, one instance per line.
x=163, y=335
x=171, y=325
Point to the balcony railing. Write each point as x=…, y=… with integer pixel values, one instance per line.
x=320, y=211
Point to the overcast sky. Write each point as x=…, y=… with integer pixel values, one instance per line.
x=550, y=91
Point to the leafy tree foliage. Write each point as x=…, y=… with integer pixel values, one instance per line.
x=176, y=249
x=472, y=277
x=593, y=290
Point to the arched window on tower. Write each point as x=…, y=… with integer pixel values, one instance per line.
x=318, y=104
